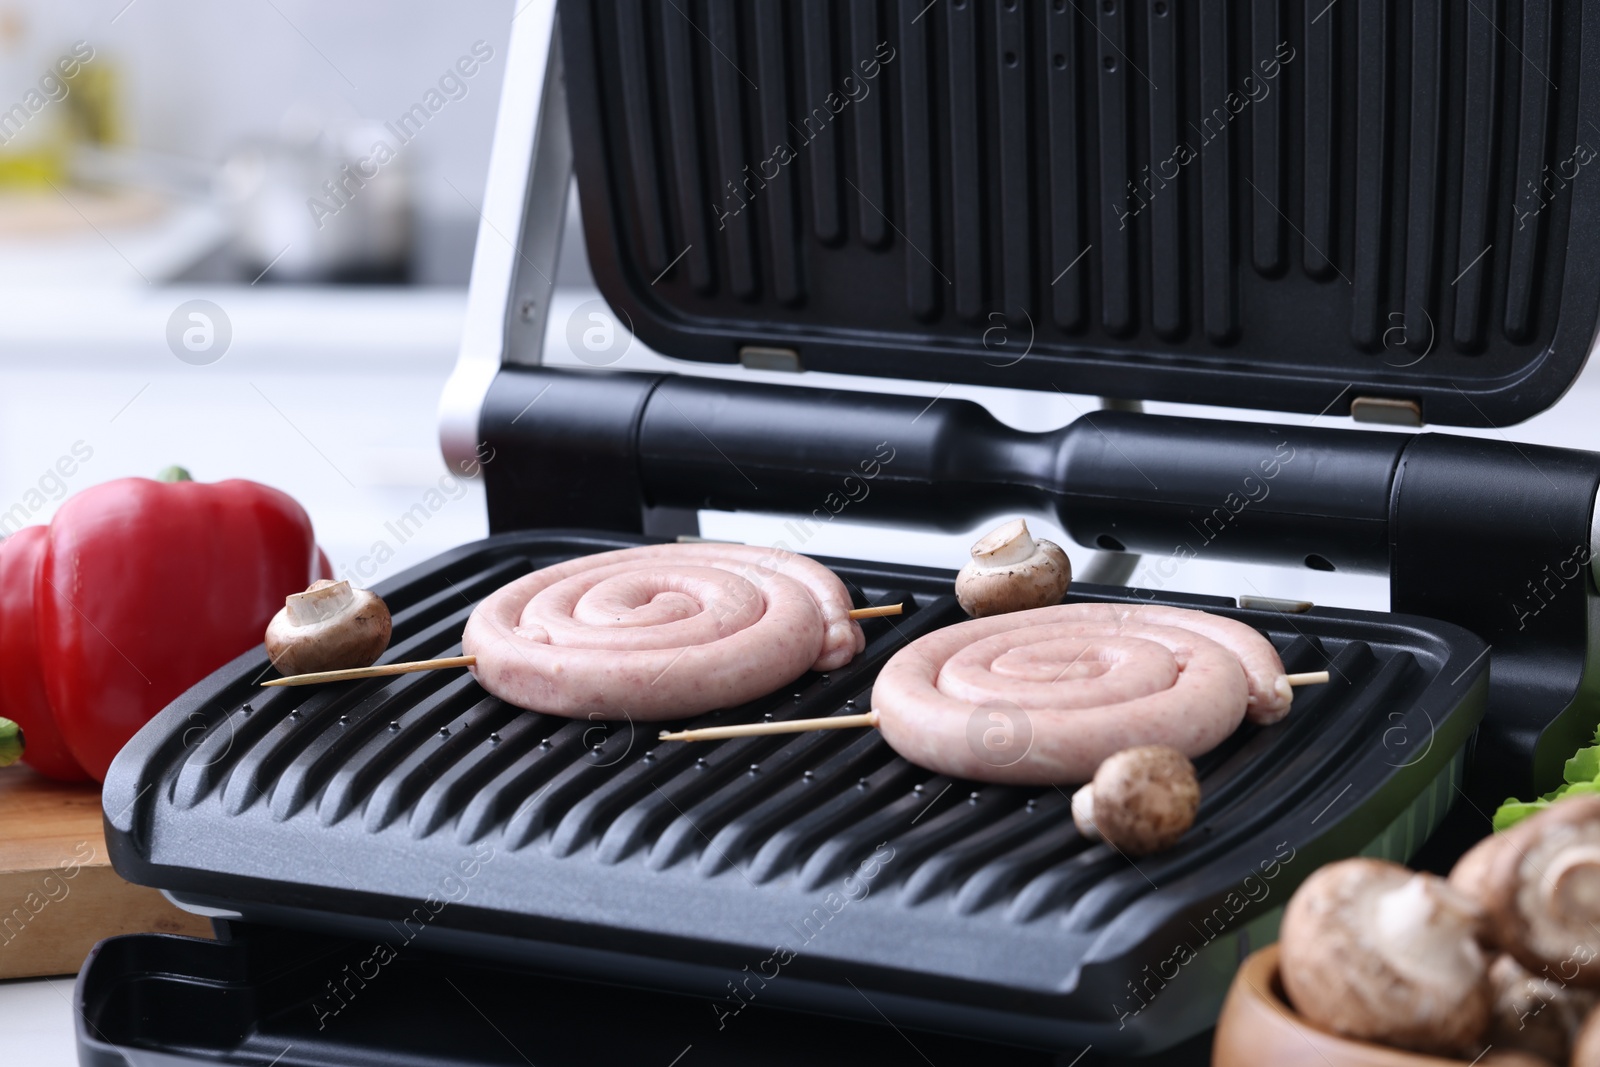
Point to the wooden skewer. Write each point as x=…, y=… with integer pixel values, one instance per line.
x=846, y=722
x=793, y=726
x=386, y=669
x=379, y=671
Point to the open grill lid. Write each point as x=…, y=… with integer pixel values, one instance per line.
x=1282, y=206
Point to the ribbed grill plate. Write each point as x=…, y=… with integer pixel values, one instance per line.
x=682, y=865
x=1252, y=203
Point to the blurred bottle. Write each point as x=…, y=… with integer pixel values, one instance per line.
x=55, y=91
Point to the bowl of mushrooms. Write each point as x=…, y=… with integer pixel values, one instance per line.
x=1380, y=966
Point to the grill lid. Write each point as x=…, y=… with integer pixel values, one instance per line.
x=587, y=848
x=1275, y=206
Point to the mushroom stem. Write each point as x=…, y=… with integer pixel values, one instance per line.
x=1006, y=544
x=1083, y=812
x=11, y=742
x=1412, y=939
x=321, y=602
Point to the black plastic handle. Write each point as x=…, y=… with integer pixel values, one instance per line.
x=599, y=447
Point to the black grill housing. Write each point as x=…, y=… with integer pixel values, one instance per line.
x=683, y=866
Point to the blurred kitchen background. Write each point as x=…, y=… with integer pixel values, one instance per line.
x=237, y=236
x=215, y=151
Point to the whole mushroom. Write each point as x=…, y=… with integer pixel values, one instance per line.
x=1538, y=885
x=1375, y=952
x=1010, y=571
x=331, y=626
x=1142, y=800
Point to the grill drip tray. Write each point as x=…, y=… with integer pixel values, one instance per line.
x=816, y=871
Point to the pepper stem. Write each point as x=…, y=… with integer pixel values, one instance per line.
x=10, y=742
x=174, y=473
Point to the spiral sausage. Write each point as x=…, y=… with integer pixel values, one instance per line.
x=660, y=631
x=1071, y=685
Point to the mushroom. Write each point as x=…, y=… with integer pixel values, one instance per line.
x=1374, y=952
x=1468, y=875
x=1010, y=571
x=1534, y=1013
x=1141, y=800
x=329, y=627
x=1538, y=885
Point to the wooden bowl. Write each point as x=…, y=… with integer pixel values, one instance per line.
x=1258, y=1028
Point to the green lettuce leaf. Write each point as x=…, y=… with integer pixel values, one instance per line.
x=1582, y=777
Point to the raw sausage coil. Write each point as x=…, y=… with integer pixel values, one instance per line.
x=1071, y=685
x=660, y=631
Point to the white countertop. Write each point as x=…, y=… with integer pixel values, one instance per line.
x=36, y=1019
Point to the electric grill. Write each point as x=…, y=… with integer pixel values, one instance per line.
x=985, y=163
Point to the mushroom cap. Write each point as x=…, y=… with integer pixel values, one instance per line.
x=1538, y=884
x=1011, y=571
x=1468, y=875
x=1373, y=951
x=1534, y=1013
x=331, y=626
x=1142, y=800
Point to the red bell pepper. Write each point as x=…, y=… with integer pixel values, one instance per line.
x=22, y=694
x=146, y=587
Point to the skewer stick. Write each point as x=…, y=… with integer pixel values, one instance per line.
x=846, y=722
x=754, y=729
x=379, y=671
x=878, y=612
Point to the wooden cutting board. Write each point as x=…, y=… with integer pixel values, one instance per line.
x=58, y=893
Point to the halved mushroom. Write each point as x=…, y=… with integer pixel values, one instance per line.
x=1142, y=800
x=1373, y=951
x=1538, y=884
x=1010, y=571
x=1534, y=1013
x=331, y=626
